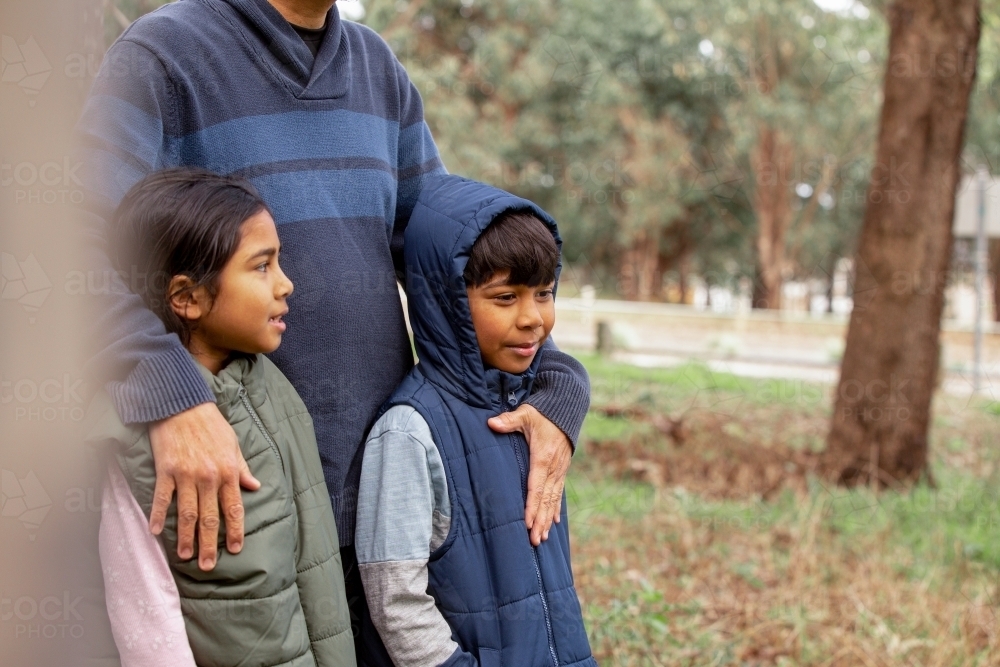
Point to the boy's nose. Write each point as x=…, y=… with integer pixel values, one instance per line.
x=530, y=317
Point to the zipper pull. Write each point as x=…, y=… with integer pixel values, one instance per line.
x=511, y=399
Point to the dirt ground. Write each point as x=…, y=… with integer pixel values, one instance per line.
x=707, y=455
x=709, y=540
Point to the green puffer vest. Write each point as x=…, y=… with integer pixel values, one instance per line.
x=281, y=600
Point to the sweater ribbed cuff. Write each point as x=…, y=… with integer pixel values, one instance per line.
x=563, y=400
x=159, y=387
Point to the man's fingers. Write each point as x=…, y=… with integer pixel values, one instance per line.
x=232, y=509
x=550, y=497
x=508, y=422
x=558, y=513
x=208, y=525
x=550, y=452
x=162, y=495
x=559, y=488
x=534, y=509
x=187, y=516
x=197, y=453
x=247, y=480
x=552, y=502
x=544, y=516
x=232, y=505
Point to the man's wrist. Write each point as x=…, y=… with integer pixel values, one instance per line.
x=160, y=386
x=563, y=402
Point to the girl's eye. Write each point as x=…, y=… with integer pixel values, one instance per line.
x=262, y=268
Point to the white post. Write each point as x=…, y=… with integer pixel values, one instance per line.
x=981, y=180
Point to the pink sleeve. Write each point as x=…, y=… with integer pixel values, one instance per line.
x=142, y=598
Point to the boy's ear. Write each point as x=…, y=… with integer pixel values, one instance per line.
x=186, y=300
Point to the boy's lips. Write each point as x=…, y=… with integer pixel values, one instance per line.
x=524, y=349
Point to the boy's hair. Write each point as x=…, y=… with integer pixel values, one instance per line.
x=182, y=221
x=518, y=243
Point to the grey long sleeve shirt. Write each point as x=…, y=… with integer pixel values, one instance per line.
x=404, y=514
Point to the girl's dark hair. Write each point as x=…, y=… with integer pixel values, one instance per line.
x=179, y=222
x=516, y=242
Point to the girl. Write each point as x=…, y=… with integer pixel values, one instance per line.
x=204, y=251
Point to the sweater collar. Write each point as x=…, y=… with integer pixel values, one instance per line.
x=308, y=76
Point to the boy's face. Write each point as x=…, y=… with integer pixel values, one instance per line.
x=246, y=313
x=511, y=321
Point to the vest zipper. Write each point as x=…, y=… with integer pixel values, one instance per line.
x=534, y=554
x=260, y=425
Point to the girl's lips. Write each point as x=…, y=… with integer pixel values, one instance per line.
x=278, y=323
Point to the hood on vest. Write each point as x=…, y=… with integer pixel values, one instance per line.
x=294, y=56
x=449, y=216
x=246, y=370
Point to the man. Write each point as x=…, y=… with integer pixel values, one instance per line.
x=322, y=118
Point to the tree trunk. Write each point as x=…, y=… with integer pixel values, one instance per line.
x=676, y=249
x=882, y=412
x=639, y=275
x=830, y=283
x=994, y=276
x=771, y=161
x=684, y=278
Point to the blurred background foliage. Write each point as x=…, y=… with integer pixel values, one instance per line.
x=718, y=141
x=671, y=139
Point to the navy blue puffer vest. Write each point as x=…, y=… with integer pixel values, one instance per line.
x=507, y=602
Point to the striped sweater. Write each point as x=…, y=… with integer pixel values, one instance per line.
x=338, y=147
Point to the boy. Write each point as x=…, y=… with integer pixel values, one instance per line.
x=449, y=572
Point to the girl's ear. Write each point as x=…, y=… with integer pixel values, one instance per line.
x=186, y=300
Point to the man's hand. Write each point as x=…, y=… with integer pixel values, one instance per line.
x=550, y=455
x=196, y=453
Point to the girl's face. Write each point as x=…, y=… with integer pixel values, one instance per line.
x=246, y=313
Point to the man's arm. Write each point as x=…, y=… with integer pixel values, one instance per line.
x=402, y=501
x=561, y=391
x=418, y=161
x=123, y=137
x=550, y=420
x=554, y=414
x=124, y=133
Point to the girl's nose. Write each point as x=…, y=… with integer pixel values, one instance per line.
x=285, y=286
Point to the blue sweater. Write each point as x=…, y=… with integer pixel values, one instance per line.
x=338, y=147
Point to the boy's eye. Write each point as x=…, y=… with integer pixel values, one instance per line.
x=545, y=294
x=505, y=298
x=262, y=267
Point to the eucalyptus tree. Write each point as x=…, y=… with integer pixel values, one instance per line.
x=881, y=416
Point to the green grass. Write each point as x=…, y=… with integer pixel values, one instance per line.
x=960, y=520
x=962, y=510
x=694, y=385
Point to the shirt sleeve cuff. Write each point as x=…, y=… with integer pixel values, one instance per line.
x=159, y=387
